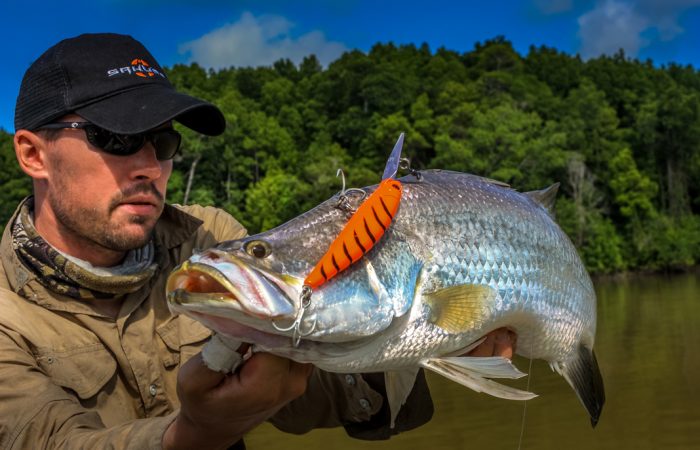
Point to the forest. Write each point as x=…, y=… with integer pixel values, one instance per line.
x=622, y=136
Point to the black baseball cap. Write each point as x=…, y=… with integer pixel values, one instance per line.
x=112, y=81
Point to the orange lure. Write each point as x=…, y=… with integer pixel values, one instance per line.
x=363, y=230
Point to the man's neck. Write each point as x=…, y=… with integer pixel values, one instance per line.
x=66, y=241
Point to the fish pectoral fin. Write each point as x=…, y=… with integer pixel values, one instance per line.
x=489, y=366
x=470, y=347
x=399, y=384
x=473, y=378
x=458, y=308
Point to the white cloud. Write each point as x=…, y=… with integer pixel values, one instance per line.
x=256, y=41
x=609, y=27
x=616, y=24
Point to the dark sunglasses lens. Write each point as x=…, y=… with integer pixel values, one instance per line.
x=116, y=144
x=166, y=143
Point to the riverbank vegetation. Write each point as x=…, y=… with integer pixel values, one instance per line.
x=622, y=137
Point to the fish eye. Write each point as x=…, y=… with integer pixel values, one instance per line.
x=258, y=249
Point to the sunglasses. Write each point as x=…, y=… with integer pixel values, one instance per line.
x=166, y=141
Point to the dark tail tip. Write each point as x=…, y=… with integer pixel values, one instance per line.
x=584, y=376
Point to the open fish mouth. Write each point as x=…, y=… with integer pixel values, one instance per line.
x=218, y=284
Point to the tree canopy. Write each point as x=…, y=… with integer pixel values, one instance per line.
x=621, y=135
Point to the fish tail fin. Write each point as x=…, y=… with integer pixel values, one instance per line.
x=583, y=374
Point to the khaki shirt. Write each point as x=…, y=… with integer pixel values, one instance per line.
x=72, y=377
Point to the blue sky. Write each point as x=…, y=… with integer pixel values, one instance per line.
x=217, y=33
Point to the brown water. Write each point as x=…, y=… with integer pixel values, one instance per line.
x=648, y=348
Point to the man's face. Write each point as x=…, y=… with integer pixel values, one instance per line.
x=108, y=200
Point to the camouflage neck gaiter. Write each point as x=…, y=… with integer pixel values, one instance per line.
x=73, y=277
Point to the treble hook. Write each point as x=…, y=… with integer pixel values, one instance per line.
x=343, y=202
x=297, y=334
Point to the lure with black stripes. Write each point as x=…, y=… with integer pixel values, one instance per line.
x=367, y=225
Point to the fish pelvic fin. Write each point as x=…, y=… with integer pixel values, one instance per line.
x=471, y=372
x=546, y=197
x=583, y=374
x=399, y=383
x=459, y=308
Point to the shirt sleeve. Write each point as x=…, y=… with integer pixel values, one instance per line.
x=355, y=402
x=217, y=226
x=37, y=414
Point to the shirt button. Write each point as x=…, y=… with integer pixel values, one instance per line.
x=152, y=390
x=350, y=380
x=364, y=404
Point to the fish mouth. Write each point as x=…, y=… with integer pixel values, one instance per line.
x=218, y=284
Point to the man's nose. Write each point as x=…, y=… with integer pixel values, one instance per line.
x=145, y=164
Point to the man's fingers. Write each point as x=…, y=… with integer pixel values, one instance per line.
x=273, y=380
x=195, y=376
x=261, y=366
x=513, y=339
x=264, y=369
x=504, y=343
x=500, y=342
x=486, y=348
x=299, y=377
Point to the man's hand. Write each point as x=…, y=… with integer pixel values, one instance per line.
x=216, y=409
x=499, y=342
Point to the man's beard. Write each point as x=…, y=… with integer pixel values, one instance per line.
x=95, y=226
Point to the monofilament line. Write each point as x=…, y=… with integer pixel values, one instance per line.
x=529, y=378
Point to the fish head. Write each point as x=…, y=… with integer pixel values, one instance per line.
x=223, y=282
x=256, y=283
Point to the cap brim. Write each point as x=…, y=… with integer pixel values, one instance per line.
x=138, y=110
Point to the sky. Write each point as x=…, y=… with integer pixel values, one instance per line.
x=218, y=33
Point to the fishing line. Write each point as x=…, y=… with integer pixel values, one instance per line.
x=529, y=378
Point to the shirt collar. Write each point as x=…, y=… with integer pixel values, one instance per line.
x=173, y=228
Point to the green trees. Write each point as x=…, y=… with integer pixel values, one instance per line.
x=14, y=185
x=622, y=136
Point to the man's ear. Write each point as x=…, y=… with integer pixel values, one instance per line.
x=30, y=149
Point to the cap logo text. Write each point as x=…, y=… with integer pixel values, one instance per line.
x=138, y=67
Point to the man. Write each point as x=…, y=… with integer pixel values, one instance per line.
x=90, y=356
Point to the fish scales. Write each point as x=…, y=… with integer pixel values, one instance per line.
x=466, y=232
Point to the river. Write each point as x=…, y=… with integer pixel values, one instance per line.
x=648, y=348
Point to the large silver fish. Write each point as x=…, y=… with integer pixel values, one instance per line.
x=463, y=256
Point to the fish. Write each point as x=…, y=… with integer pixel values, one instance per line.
x=464, y=255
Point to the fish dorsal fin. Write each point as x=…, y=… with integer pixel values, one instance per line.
x=470, y=372
x=546, y=197
x=458, y=308
x=398, y=385
x=495, y=182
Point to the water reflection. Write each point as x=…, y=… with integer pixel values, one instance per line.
x=647, y=345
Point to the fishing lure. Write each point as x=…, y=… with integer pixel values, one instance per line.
x=366, y=226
